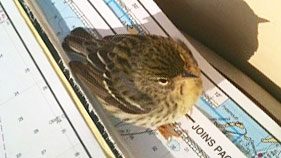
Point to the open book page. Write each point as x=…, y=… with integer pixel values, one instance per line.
x=37, y=116
x=224, y=123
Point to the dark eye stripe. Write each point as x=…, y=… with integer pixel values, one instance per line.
x=181, y=89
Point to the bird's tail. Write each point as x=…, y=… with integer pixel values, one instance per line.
x=79, y=40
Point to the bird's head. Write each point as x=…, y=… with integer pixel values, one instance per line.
x=168, y=70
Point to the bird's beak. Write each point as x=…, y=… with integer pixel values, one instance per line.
x=189, y=74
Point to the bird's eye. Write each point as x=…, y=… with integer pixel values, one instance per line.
x=163, y=81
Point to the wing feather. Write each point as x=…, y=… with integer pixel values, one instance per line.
x=100, y=73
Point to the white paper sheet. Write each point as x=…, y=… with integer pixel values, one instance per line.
x=37, y=116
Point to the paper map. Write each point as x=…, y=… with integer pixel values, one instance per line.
x=224, y=122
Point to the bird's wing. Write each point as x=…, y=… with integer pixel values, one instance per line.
x=98, y=73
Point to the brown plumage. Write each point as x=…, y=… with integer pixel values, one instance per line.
x=146, y=80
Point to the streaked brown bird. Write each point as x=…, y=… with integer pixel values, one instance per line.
x=147, y=80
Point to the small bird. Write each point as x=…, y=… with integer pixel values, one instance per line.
x=146, y=80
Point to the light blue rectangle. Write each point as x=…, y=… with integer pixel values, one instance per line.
x=119, y=12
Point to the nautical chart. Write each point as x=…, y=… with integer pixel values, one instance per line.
x=221, y=125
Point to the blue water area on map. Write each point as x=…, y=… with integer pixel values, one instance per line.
x=239, y=127
x=60, y=16
x=119, y=12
